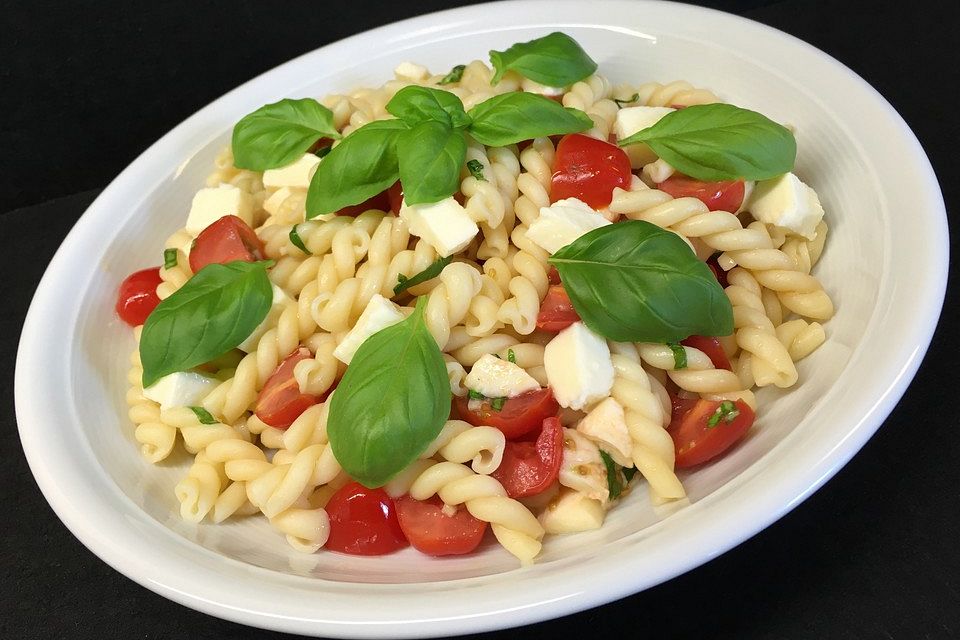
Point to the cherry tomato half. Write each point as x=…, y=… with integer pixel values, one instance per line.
x=395, y=197
x=528, y=468
x=556, y=310
x=433, y=532
x=363, y=522
x=711, y=347
x=588, y=169
x=718, y=196
x=280, y=401
x=225, y=240
x=718, y=271
x=137, y=296
x=696, y=441
x=518, y=416
x=553, y=276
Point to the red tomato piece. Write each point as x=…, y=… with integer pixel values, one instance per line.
x=226, y=240
x=588, y=169
x=718, y=196
x=556, y=310
x=518, y=416
x=529, y=468
x=711, y=347
x=280, y=401
x=553, y=276
x=395, y=197
x=696, y=441
x=320, y=144
x=137, y=296
x=433, y=532
x=363, y=522
x=718, y=271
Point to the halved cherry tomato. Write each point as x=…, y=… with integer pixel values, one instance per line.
x=517, y=417
x=137, y=296
x=226, y=240
x=718, y=271
x=696, y=441
x=280, y=401
x=711, y=347
x=363, y=522
x=553, y=276
x=718, y=196
x=588, y=169
x=528, y=468
x=433, y=532
x=556, y=310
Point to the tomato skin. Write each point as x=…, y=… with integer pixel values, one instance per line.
x=226, y=240
x=718, y=196
x=711, y=347
x=529, y=468
x=363, y=522
x=280, y=401
x=556, y=310
x=695, y=442
x=395, y=197
x=137, y=296
x=518, y=416
x=434, y=533
x=553, y=276
x=718, y=271
x=588, y=169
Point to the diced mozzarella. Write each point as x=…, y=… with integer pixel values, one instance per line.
x=496, y=378
x=607, y=425
x=181, y=389
x=379, y=314
x=209, y=205
x=563, y=222
x=296, y=174
x=280, y=302
x=572, y=512
x=445, y=225
x=578, y=366
x=788, y=203
x=633, y=119
x=582, y=468
x=535, y=87
x=657, y=171
x=748, y=186
x=412, y=72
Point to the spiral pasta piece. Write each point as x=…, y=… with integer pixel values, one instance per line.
x=673, y=94
x=459, y=441
x=177, y=275
x=156, y=438
x=592, y=96
x=450, y=300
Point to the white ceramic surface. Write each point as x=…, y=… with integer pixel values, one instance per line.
x=886, y=271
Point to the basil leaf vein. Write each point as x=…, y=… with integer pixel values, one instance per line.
x=277, y=134
x=430, y=156
x=415, y=104
x=511, y=117
x=404, y=283
x=555, y=60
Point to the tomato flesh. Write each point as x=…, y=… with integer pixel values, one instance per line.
x=137, y=296
x=556, y=310
x=553, y=276
x=228, y=239
x=433, y=532
x=363, y=522
x=718, y=196
x=529, y=468
x=280, y=401
x=711, y=347
x=518, y=416
x=588, y=169
x=696, y=442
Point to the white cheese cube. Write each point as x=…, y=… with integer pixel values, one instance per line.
x=280, y=302
x=496, y=378
x=181, y=389
x=788, y=203
x=657, y=171
x=563, y=222
x=296, y=174
x=530, y=86
x=572, y=512
x=412, y=72
x=607, y=426
x=578, y=366
x=379, y=314
x=748, y=186
x=209, y=205
x=633, y=119
x=582, y=468
x=445, y=225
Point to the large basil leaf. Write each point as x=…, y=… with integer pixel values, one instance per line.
x=391, y=403
x=720, y=142
x=636, y=282
x=277, y=134
x=555, y=60
x=361, y=166
x=416, y=104
x=217, y=309
x=512, y=117
x=431, y=155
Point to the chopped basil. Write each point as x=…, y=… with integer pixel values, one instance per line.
x=455, y=74
x=297, y=241
x=679, y=355
x=323, y=151
x=404, y=282
x=629, y=100
x=476, y=395
x=476, y=169
x=511, y=356
x=169, y=258
x=628, y=473
x=203, y=415
x=727, y=411
x=497, y=403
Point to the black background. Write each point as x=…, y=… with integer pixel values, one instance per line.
x=85, y=87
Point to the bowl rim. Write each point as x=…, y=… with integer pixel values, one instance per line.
x=193, y=578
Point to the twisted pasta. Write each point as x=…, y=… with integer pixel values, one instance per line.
x=592, y=96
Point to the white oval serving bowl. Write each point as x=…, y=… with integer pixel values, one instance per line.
x=886, y=272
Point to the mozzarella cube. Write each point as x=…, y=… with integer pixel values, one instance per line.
x=748, y=186
x=578, y=366
x=572, y=512
x=563, y=222
x=181, y=389
x=209, y=205
x=657, y=171
x=496, y=378
x=280, y=302
x=296, y=174
x=412, y=72
x=607, y=426
x=788, y=203
x=379, y=314
x=633, y=119
x=581, y=467
x=445, y=225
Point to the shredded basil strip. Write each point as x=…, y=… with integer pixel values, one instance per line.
x=727, y=411
x=614, y=486
x=404, y=282
x=511, y=356
x=476, y=169
x=475, y=395
x=628, y=473
x=297, y=241
x=497, y=403
x=679, y=355
x=203, y=415
x=169, y=258
x=629, y=100
x=455, y=74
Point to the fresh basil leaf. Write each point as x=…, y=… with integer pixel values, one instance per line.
x=404, y=283
x=622, y=101
x=511, y=356
x=297, y=241
x=277, y=134
x=455, y=74
x=512, y=117
x=360, y=167
x=679, y=355
x=169, y=258
x=203, y=415
x=391, y=403
x=209, y=315
x=475, y=167
x=614, y=485
x=720, y=142
x=555, y=60
x=636, y=282
x=415, y=104
x=431, y=154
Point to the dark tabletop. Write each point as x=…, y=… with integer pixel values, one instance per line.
x=85, y=87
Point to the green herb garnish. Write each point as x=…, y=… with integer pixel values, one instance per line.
x=203, y=415
x=169, y=258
